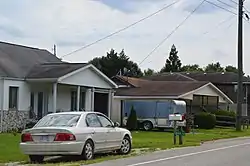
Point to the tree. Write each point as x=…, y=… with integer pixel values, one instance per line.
x=148, y=72
x=113, y=63
x=173, y=63
x=132, y=120
x=214, y=67
x=191, y=68
x=230, y=68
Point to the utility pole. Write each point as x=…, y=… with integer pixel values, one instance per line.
x=240, y=66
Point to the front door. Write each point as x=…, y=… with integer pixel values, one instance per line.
x=40, y=105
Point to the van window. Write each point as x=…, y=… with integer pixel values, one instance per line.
x=181, y=109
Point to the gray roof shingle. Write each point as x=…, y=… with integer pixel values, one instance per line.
x=216, y=77
x=16, y=60
x=157, y=88
x=53, y=70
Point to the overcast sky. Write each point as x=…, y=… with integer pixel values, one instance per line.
x=72, y=24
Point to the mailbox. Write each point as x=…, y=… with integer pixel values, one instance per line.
x=175, y=117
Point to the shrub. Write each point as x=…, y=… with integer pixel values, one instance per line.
x=224, y=113
x=205, y=120
x=132, y=120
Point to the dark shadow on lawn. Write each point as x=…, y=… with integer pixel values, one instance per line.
x=65, y=159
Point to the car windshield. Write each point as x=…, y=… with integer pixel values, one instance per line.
x=60, y=120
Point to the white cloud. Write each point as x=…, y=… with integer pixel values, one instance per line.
x=71, y=24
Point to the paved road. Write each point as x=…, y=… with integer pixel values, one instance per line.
x=234, y=152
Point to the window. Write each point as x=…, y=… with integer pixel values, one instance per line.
x=92, y=121
x=104, y=121
x=13, y=97
x=73, y=101
x=63, y=120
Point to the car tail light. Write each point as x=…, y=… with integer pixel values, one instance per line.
x=64, y=137
x=26, y=137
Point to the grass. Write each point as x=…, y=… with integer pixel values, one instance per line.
x=9, y=144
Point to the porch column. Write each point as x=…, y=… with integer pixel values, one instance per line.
x=92, y=99
x=54, y=96
x=246, y=100
x=78, y=98
x=88, y=99
x=110, y=102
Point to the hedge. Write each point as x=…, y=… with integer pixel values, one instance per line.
x=224, y=113
x=205, y=120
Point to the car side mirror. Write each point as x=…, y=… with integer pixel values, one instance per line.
x=116, y=124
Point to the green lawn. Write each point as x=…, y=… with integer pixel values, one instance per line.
x=9, y=144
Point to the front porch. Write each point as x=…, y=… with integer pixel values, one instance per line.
x=82, y=89
x=48, y=98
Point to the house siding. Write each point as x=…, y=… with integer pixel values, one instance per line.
x=23, y=94
x=87, y=78
x=14, y=119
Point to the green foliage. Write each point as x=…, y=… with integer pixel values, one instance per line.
x=205, y=120
x=230, y=68
x=191, y=68
x=173, y=63
x=113, y=63
x=224, y=113
x=148, y=72
x=214, y=67
x=132, y=120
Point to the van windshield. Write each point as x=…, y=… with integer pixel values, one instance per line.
x=60, y=120
x=181, y=109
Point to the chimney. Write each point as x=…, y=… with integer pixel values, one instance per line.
x=54, y=50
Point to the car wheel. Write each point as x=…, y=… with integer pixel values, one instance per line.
x=36, y=158
x=88, y=150
x=126, y=146
x=147, y=125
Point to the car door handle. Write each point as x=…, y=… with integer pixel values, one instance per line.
x=93, y=132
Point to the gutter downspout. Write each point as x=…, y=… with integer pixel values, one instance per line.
x=1, y=104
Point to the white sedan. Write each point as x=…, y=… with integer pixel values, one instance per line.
x=74, y=133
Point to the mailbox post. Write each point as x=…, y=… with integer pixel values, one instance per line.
x=178, y=130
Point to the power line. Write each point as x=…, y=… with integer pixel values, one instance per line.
x=174, y=30
x=227, y=4
x=238, y=4
x=220, y=23
x=220, y=7
x=234, y=2
x=120, y=30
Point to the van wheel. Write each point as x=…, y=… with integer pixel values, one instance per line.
x=36, y=158
x=147, y=125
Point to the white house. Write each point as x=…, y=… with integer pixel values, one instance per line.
x=34, y=82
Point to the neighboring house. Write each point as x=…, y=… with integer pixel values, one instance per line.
x=34, y=82
x=225, y=81
x=197, y=94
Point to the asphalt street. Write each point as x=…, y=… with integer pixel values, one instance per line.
x=233, y=152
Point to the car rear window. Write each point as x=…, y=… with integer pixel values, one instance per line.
x=60, y=120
